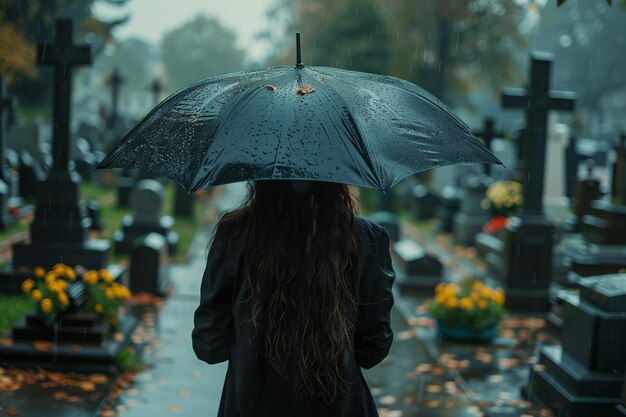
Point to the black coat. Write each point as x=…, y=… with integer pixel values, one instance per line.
x=251, y=387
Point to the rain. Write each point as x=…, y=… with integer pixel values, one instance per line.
x=310, y=207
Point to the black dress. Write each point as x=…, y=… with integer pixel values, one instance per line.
x=251, y=387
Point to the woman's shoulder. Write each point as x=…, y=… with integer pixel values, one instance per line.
x=368, y=230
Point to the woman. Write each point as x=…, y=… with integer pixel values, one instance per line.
x=297, y=296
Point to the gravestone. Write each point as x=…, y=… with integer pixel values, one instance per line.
x=183, y=203
x=527, y=254
x=620, y=409
x=84, y=159
x=418, y=272
x=388, y=221
x=31, y=175
x=451, y=198
x=471, y=218
x=148, y=265
x=7, y=218
x=115, y=81
x=156, y=87
x=93, y=212
x=125, y=183
x=59, y=230
x=147, y=204
x=424, y=202
x=583, y=377
x=618, y=179
x=488, y=134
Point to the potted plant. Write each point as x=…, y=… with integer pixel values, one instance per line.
x=502, y=199
x=49, y=292
x=468, y=312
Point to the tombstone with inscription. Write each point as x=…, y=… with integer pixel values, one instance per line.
x=583, y=377
x=148, y=265
x=527, y=248
x=418, y=271
x=147, y=205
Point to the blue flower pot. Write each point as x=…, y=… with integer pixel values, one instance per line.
x=467, y=334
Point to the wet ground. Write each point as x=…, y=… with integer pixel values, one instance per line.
x=422, y=376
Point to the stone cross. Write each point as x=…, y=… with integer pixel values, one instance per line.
x=63, y=56
x=488, y=134
x=156, y=87
x=116, y=80
x=5, y=103
x=537, y=100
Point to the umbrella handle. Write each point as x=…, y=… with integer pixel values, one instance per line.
x=298, y=53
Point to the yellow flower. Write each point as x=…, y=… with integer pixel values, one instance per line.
x=452, y=289
x=90, y=277
x=69, y=272
x=498, y=296
x=106, y=275
x=466, y=304
x=27, y=285
x=440, y=287
x=478, y=286
x=441, y=298
x=36, y=295
x=109, y=292
x=484, y=204
x=482, y=304
x=475, y=296
x=98, y=308
x=40, y=272
x=451, y=303
x=59, y=269
x=486, y=292
x=61, y=284
x=50, y=276
x=63, y=298
x=46, y=305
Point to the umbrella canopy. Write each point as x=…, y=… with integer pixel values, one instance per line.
x=309, y=123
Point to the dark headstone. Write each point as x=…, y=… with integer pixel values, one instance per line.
x=471, y=218
x=148, y=269
x=425, y=202
x=605, y=224
x=618, y=181
x=115, y=81
x=418, y=272
x=587, y=190
x=6, y=218
x=583, y=377
x=183, y=203
x=388, y=221
x=59, y=230
x=93, y=212
x=451, y=198
x=529, y=240
x=147, y=203
x=125, y=183
x=156, y=87
x=488, y=134
x=31, y=175
x=571, y=167
x=621, y=407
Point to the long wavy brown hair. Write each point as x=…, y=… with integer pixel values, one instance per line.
x=299, y=247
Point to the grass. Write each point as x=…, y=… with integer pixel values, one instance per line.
x=12, y=308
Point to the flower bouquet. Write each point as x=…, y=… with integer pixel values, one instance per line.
x=468, y=312
x=104, y=295
x=49, y=291
x=502, y=199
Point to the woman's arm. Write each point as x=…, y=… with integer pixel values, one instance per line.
x=374, y=336
x=213, y=321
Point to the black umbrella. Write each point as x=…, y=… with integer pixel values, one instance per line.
x=310, y=123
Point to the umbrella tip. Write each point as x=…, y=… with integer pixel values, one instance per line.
x=298, y=53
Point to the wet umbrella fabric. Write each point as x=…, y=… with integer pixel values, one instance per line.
x=312, y=123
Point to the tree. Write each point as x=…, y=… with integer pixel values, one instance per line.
x=587, y=40
x=197, y=49
x=25, y=23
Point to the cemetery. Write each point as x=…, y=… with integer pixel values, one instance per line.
x=507, y=242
